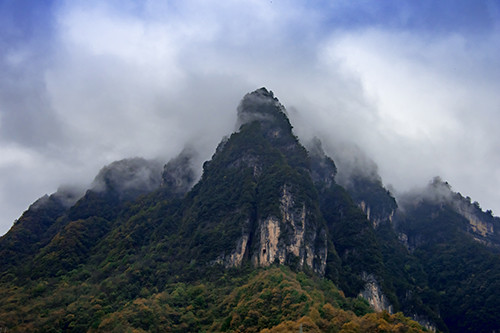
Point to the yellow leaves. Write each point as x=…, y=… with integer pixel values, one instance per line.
x=277, y=294
x=399, y=328
x=307, y=324
x=235, y=319
x=112, y=322
x=314, y=314
x=139, y=301
x=380, y=323
x=287, y=326
x=69, y=317
x=350, y=327
x=328, y=311
x=271, y=300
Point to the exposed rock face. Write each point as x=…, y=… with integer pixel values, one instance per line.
x=297, y=220
x=267, y=250
x=365, y=208
x=430, y=326
x=290, y=239
x=372, y=197
x=374, y=295
x=235, y=259
x=481, y=225
x=274, y=191
x=376, y=219
x=403, y=238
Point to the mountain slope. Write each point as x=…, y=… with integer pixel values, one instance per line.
x=457, y=245
x=261, y=242
x=256, y=199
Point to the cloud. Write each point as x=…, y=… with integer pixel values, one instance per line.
x=107, y=80
x=129, y=178
x=434, y=100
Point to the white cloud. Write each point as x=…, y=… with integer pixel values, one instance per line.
x=143, y=79
x=435, y=103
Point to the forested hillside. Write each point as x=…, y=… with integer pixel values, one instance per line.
x=266, y=241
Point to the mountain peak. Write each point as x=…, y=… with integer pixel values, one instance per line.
x=260, y=105
x=129, y=177
x=143, y=245
x=261, y=93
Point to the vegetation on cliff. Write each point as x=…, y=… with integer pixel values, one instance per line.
x=147, y=250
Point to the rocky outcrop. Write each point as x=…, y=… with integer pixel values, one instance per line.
x=481, y=225
x=374, y=295
x=429, y=325
x=235, y=258
x=267, y=249
x=365, y=208
x=290, y=238
x=371, y=197
x=376, y=219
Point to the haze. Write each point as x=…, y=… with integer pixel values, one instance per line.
x=414, y=85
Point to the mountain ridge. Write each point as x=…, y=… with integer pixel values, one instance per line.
x=263, y=201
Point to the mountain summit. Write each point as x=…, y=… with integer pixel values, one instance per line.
x=257, y=193
x=266, y=240
x=261, y=105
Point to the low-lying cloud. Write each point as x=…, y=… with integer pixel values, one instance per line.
x=105, y=81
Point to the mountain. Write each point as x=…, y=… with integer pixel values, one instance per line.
x=272, y=238
x=457, y=244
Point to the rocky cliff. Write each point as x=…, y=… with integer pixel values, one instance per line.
x=278, y=220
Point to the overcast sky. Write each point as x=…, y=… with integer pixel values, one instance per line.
x=415, y=84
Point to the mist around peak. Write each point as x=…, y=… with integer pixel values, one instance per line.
x=260, y=105
x=100, y=81
x=323, y=168
x=66, y=196
x=179, y=173
x=436, y=191
x=264, y=199
x=352, y=163
x=129, y=177
x=439, y=193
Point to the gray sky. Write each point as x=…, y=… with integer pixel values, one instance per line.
x=83, y=83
